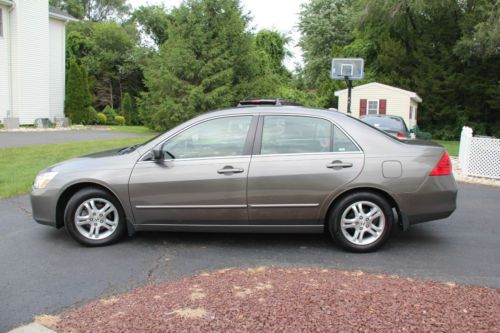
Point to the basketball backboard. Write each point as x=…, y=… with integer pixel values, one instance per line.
x=347, y=68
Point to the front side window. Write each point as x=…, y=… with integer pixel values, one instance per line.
x=295, y=135
x=372, y=107
x=212, y=138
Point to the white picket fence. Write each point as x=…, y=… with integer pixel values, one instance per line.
x=479, y=156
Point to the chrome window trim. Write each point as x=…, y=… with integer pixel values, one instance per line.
x=196, y=159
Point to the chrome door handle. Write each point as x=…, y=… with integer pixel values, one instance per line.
x=228, y=170
x=338, y=164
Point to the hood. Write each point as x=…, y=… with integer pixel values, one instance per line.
x=110, y=159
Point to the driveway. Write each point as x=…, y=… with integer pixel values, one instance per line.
x=44, y=271
x=15, y=139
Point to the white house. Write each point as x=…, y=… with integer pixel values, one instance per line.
x=32, y=60
x=378, y=98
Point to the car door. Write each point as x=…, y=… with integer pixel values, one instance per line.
x=298, y=162
x=202, y=179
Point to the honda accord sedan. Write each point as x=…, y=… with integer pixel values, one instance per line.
x=252, y=169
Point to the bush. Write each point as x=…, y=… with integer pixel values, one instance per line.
x=120, y=120
x=110, y=114
x=101, y=118
x=91, y=115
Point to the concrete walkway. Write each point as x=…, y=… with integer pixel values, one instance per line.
x=16, y=139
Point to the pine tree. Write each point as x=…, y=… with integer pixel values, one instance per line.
x=127, y=110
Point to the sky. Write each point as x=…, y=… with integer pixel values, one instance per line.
x=280, y=15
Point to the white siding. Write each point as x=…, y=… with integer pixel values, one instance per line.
x=30, y=60
x=4, y=64
x=57, y=67
x=398, y=103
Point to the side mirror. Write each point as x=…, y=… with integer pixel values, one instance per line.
x=157, y=153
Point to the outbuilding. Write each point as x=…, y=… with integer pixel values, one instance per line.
x=378, y=98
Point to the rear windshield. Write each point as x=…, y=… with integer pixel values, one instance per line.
x=386, y=123
x=375, y=128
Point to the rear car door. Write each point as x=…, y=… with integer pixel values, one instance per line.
x=203, y=179
x=298, y=162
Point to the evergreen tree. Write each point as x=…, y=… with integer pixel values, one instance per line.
x=75, y=96
x=127, y=110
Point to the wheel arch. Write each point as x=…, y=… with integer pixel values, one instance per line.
x=69, y=191
x=386, y=195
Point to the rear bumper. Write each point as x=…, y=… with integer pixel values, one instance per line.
x=435, y=199
x=43, y=205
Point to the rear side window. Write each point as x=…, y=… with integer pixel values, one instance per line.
x=296, y=135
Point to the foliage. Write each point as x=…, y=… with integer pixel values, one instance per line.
x=92, y=10
x=153, y=21
x=78, y=97
x=205, y=64
x=101, y=118
x=273, y=43
x=110, y=114
x=92, y=114
x=120, y=120
x=128, y=111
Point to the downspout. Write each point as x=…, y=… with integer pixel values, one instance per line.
x=11, y=76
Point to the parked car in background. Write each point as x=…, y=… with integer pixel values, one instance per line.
x=255, y=169
x=394, y=125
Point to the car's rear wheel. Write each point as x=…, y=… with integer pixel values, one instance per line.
x=94, y=217
x=361, y=222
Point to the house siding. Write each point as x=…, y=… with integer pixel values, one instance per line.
x=5, y=93
x=398, y=103
x=30, y=60
x=57, y=67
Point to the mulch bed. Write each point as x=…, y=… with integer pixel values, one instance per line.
x=270, y=299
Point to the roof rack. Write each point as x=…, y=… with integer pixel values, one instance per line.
x=268, y=101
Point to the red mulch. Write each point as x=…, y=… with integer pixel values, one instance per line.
x=292, y=300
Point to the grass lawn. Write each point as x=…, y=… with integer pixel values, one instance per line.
x=132, y=129
x=451, y=146
x=19, y=165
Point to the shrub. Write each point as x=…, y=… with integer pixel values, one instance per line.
x=91, y=115
x=101, y=118
x=110, y=114
x=120, y=120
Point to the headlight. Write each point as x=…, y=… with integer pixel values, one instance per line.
x=43, y=179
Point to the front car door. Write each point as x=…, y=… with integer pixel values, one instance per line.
x=298, y=162
x=202, y=179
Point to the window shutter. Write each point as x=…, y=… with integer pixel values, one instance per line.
x=362, y=107
x=382, y=105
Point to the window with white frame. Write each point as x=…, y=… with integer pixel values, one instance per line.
x=372, y=107
x=1, y=22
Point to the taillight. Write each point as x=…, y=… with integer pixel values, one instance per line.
x=443, y=168
x=401, y=136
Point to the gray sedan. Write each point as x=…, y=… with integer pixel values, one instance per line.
x=253, y=169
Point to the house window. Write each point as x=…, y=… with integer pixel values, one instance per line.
x=1, y=22
x=372, y=107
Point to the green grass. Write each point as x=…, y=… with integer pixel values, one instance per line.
x=132, y=129
x=19, y=165
x=451, y=146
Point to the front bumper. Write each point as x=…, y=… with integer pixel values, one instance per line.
x=43, y=205
x=435, y=199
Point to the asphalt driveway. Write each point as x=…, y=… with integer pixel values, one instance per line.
x=15, y=139
x=44, y=271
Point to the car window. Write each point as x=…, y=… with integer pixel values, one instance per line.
x=212, y=138
x=295, y=134
x=341, y=142
x=385, y=123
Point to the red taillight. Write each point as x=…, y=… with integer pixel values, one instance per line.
x=401, y=136
x=443, y=168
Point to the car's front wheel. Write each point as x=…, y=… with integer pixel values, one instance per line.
x=361, y=222
x=93, y=217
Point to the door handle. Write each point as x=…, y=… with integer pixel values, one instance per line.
x=229, y=170
x=338, y=165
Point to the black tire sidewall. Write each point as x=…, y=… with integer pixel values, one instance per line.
x=70, y=210
x=336, y=215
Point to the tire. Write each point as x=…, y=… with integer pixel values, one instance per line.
x=364, y=232
x=94, y=209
